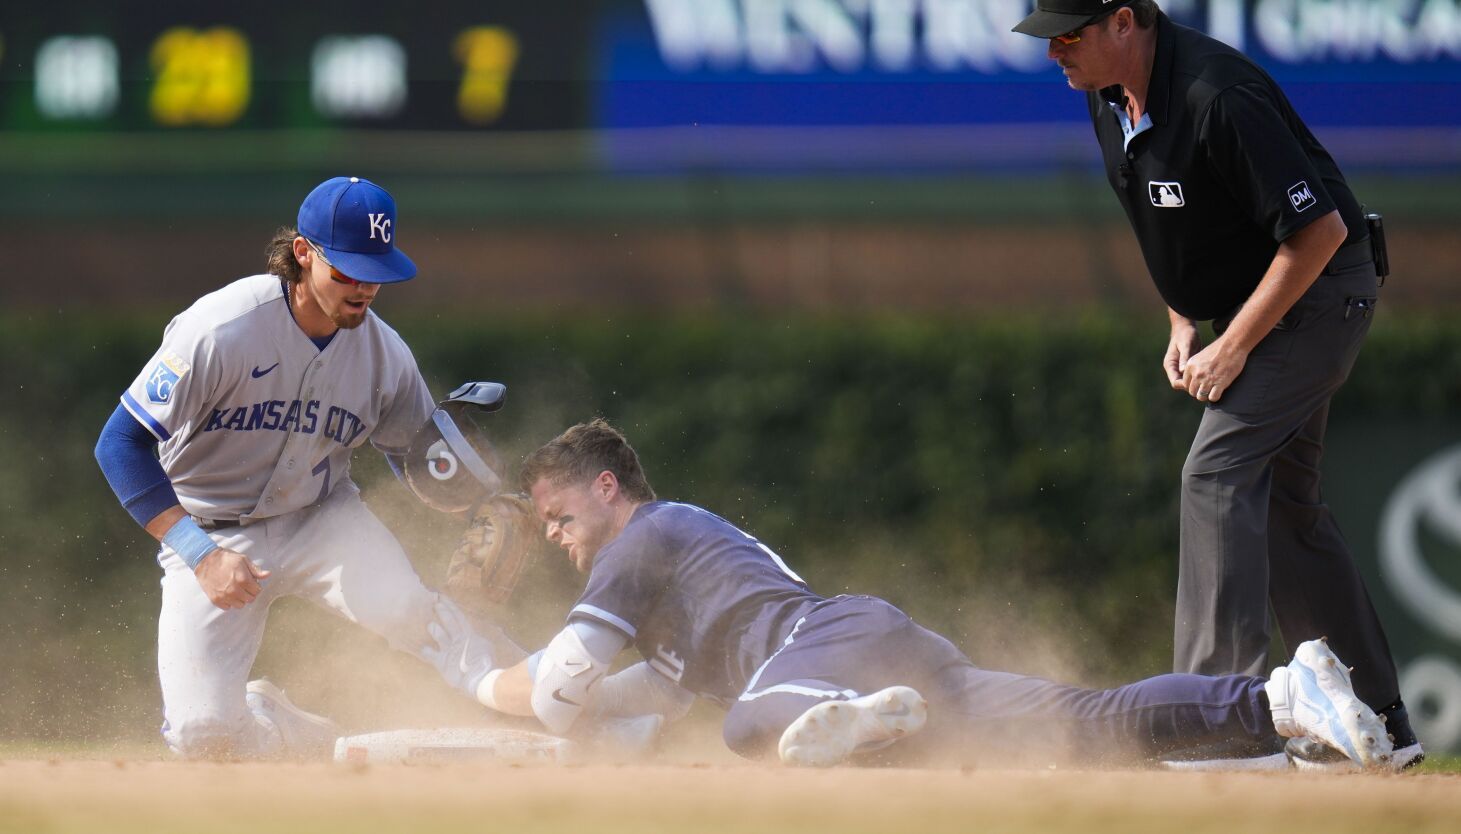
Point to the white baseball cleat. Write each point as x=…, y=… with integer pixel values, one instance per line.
x=1311, y=756
x=831, y=731
x=1313, y=696
x=300, y=734
x=1304, y=754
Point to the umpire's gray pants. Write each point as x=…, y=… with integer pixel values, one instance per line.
x=1254, y=525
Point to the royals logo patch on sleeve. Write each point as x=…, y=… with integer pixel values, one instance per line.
x=164, y=378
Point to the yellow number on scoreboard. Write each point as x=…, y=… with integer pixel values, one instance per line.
x=202, y=76
x=487, y=55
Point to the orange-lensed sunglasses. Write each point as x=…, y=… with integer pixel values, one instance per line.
x=1074, y=35
x=335, y=275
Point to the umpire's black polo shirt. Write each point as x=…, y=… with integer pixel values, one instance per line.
x=1225, y=172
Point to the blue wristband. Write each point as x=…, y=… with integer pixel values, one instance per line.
x=189, y=541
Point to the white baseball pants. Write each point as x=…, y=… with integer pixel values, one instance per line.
x=336, y=554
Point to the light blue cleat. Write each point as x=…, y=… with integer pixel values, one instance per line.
x=1313, y=697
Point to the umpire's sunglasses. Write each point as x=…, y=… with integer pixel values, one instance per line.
x=1074, y=35
x=335, y=275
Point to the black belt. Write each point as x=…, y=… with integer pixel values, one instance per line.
x=215, y=523
x=1350, y=256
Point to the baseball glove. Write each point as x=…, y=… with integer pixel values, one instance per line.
x=495, y=549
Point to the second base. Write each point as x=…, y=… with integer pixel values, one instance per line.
x=449, y=745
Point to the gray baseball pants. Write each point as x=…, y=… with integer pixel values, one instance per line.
x=1255, y=528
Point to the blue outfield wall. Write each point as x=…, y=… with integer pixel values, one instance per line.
x=1381, y=78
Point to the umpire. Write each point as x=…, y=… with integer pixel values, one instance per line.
x=1245, y=221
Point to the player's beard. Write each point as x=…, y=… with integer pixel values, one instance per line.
x=345, y=319
x=349, y=321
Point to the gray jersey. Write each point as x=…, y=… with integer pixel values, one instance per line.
x=254, y=419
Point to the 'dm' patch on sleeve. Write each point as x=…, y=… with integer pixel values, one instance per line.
x=1301, y=196
x=164, y=378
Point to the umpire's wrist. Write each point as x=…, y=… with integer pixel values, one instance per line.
x=189, y=541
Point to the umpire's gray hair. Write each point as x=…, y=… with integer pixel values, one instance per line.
x=581, y=453
x=1144, y=12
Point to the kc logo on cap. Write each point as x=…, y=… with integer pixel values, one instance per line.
x=353, y=221
x=383, y=224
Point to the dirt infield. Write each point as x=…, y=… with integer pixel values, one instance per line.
x=154, y=796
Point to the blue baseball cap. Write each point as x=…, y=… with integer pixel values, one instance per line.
x=354, y=222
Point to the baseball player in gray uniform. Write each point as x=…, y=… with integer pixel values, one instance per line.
x=258, y=396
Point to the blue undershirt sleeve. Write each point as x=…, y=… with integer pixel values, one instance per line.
x=124, y=452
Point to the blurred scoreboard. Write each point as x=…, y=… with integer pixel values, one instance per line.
x=675, y=84
x=267, y=64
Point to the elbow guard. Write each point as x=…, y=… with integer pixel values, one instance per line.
x=565, y=675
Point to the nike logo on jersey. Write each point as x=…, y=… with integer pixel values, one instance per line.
x=258, y=373
x=558, y=696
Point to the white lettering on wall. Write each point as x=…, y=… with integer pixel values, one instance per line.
x=803, y=36
x=1300, y=31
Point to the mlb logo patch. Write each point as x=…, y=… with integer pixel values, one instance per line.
x=164, y=377
x=1301, y=197
x=1166, y=194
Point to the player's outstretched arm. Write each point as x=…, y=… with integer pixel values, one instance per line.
x=510, y=690
x=640, y=690
x=558, y=683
